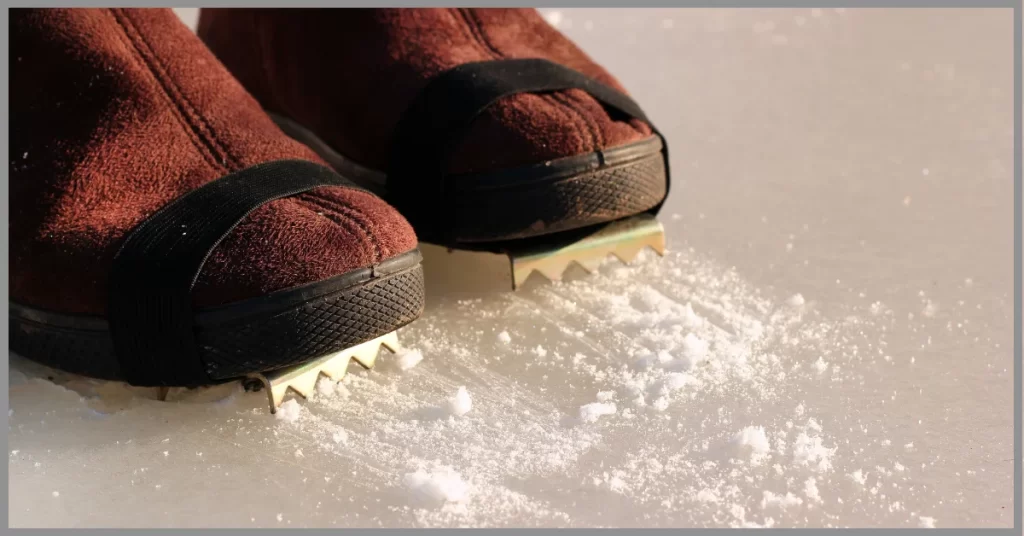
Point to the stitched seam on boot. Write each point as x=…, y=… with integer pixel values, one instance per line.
x=469, y=30
x=359, y=218
x=204, y=150
x=597, y=137
x=354, y=215
x=350, y=226
x=195, y=119
x=487, y=47
x=555, y=98
x=476, y=35
x=595, y=130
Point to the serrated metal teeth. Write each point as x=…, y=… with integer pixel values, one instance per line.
x=624, y=239
x=302, y=378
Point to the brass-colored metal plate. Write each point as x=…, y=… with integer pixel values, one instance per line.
x=302, y=378
x=624, y=239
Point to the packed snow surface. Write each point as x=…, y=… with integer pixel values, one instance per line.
x=712, y=428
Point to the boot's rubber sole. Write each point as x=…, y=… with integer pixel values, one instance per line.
x=529, y=201
x=262, y=334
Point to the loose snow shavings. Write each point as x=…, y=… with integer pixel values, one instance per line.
x=926, y=522
x=461, y=403
x=681, y=457
x=289, y=411
x=440, y=485
x=820, y=365
x=811, y=490
x=858, y=476
x=771, y=500
x=593, y=411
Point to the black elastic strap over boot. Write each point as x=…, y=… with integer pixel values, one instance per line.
x=150, y=288
x=438, y=119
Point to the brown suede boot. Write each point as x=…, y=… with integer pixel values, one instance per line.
x=479, y=125
x=163, y=230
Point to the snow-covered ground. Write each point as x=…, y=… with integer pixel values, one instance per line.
x=828, y=342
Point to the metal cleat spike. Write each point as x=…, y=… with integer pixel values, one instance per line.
x=302, y=378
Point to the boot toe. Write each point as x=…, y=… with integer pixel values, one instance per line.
x=304, y=239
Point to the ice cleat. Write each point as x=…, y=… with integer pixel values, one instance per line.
x=553, y=255
x=484, y=127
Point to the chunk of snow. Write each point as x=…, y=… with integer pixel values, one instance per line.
x=771, y=500
x=593, y=411
x=811, y=490
x=325, y=386
x=752, y=441
x=504, y=337
x=408, y=359
x=708, y=496
x=289, y=411
x=439, y=485
x=661, y=404
x=796, y=300
x=809, y=451
x=926, y=522
x=930, y=308
x=678, y=380
x=461, y=403
x=694, y=349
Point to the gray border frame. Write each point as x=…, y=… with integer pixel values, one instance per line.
x=1015, y=5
